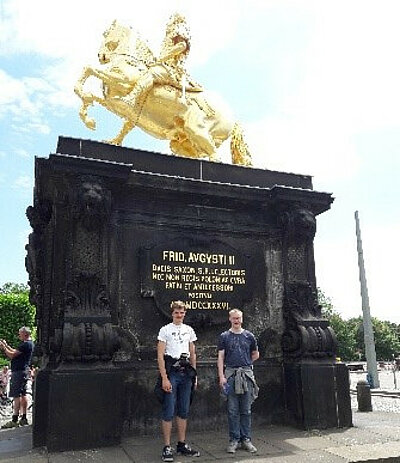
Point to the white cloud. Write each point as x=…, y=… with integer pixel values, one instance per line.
x=23, y=237
x=352, y=78
x=22, y=153
x=349, y=85
x=23, y=101
x=338, y=273
x=23, y=183
x=302, y=146
x=45, y=28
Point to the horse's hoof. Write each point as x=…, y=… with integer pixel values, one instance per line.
x=113, y=141
x=90, y=124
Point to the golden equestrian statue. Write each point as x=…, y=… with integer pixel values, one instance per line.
x=158, y=95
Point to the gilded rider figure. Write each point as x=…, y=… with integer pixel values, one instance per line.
x=158, y=95
x=169, y=68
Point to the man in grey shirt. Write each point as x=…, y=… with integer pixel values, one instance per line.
x=237, y=350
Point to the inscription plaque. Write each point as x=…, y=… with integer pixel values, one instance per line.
x=209, y=277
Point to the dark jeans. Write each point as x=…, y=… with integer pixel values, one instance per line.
x=19, y=380
x=239, y=414
x=179, y=399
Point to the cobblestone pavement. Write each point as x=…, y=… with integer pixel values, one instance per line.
x=387, y=378
x=6, y=411
x=380, y=402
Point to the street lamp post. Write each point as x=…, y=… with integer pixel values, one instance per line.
x=367, y=323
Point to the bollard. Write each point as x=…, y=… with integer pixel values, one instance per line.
x=364, y=396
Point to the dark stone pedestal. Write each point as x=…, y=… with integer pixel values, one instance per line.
x=208, y=411
x=117, y=235
x=77, y=409
x=318, y=395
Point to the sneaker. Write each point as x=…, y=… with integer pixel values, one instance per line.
x=232, y=446
x=184, y=449
x=167, y=454
x=23, y=422
x=10, y=424
x=247, y=445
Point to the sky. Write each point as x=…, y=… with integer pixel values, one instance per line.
x=315, y=85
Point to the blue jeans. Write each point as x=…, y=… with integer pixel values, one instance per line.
x=179, y=398
x=239, y=414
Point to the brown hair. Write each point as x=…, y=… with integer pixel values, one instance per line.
x=179, y=305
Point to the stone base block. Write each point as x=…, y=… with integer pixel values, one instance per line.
x=77, y=409
x=317, y=395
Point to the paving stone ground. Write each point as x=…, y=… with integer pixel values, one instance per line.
x=374, y=438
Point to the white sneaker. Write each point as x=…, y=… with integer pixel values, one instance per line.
x=232, y=446
x=247, y=445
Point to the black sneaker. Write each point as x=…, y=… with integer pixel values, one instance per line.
x=23, y=422
x=184, y=449
x=167, y=454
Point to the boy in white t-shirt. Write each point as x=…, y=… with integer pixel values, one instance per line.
x=176, y=356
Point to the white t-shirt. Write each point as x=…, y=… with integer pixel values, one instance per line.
x=177, y=339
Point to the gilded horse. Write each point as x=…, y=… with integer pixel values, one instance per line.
x=183, y=116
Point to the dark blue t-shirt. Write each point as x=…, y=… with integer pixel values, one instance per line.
x=238, y=348
x=23, y=360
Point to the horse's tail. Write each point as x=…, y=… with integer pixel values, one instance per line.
x=239, y=150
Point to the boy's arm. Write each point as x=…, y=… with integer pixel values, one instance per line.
x=220, y=364
x=192, y=352
x=166, y=385
x=255, y=355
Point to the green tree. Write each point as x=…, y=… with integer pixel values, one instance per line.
x=15, y=311
x=345, y=331
x=387, y=342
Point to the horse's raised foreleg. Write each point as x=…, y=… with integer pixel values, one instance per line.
x=87, y=98
x=126, y=128
x=78, y=89
x=88, y=121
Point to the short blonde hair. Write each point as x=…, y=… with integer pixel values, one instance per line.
x=231, y=312
x=178, y=305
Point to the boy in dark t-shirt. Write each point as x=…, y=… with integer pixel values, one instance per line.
x=21, y=358
x=237, y=350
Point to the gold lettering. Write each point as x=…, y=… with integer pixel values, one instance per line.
x=207, y=305
x=201, y=275
x=174, y=256
x=173, y=285
x=200, y=295
x=179, y=269
x=161, y=268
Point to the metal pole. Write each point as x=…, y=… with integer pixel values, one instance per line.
x=368, y=330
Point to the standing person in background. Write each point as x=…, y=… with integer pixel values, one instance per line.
x=4, y=377
x=21, y=358
x=237, y=350
x=176, y=358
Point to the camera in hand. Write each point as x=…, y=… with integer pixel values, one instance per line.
x=182, y=362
